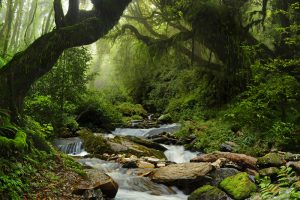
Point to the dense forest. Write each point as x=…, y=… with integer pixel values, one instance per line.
x=150, y=99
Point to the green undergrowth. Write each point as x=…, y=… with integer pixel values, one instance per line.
x=212, y=133
x=28, y=162
x=285, y=186
x=23, y=176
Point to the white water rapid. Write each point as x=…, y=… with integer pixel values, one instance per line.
x=177, y=154
x=131, y=186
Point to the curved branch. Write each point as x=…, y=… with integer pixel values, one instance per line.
x=17, y=76
x=182, y=36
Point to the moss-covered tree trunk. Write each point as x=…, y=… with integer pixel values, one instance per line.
x=26, y=67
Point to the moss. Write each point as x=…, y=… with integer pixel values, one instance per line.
x=167, y=118
x=137, y=147
x=18, y=143
x=207, y=192
x=238, y=186
x=268, y=171
x=95, y=144
x=270, y=159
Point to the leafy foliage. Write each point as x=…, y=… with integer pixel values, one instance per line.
x=284, y=188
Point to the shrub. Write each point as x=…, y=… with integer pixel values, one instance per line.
x=95, y=111
x=130, y=109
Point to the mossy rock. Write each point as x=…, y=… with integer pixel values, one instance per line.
x=208, y=192
x=167, y=118
x=95, y=144
x=135, y=147
x=270, y=171
x=238, y=186
x=270, y=160
x=147, y=143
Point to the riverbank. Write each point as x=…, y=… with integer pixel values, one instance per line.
x=224, y=174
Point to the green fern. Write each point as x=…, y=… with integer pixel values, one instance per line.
x=284, y=188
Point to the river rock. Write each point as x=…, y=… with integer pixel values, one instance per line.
x=241, y=159
x=186, y=176
x=164, y=138
x=208, y=192
x=291, y=157
x=228, y=146
x=143, y=164
x=97, y=180
x=129, y=146
x=270, y=171
x=238, y=186
x=130, y=164
x=220, y=174
x=294, y=165
x=146, y=143
x=271, y=160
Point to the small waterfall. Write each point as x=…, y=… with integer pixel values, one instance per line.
x=71, y=146
x=178, y=154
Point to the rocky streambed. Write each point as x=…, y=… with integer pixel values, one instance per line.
x=149, y=164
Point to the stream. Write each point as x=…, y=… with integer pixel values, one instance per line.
x=131, y=186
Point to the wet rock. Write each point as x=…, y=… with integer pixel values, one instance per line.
x=291, y=157
x=295, y=166
x=219, y=175
x=242, y=160
x=164, y=138
x=270, y=171
x=97, y=180
x=130, y=164
x=238, y=186
x=160, y=165
x=186, y=140
x=143, y=164
x=186, y=176
x=271, y=160
x=93, y=195
x=133, y=148
x=208, y=192
x=228, y=146
x=146, y=143
x=152, y=160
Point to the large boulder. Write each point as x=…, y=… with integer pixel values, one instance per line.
x=208, y=192
x=99, y=146
x=219, y=175
x=164, y=138
x=186, y=176
x=97, y=180
x=238, y=186
x=242, y=160
x=271, y=160
x=134, y=146
x=295, y=166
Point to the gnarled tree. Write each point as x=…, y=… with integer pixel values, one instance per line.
x=76, y=28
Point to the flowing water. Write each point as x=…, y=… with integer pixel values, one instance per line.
x=72, y=146
x=171, y=128
x=132, y=187
x=177, y=153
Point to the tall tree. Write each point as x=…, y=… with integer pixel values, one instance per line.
x=26, y=67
